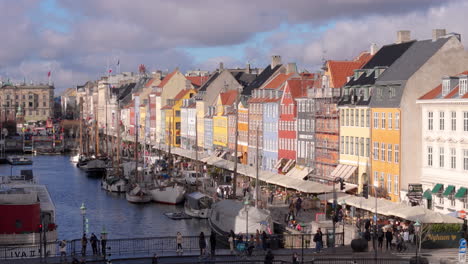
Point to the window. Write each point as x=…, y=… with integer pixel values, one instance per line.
x=453, y=158
x=397, y=120
x=356, y=115
x=390, y=120
x=382, y=180
x=356, y=146
x=351, y=122
x=465, y=159
x=351, y=146
x=342, y=117
x=361, y=141
x=392, y=91
x=441, y=121
x=376, y=150
x=347, y=145
x=397, y=153
x=177, y=113
x=376, y=120
x=367, y=118
x=383, y=120
x=454, y=120
x=441, y=157
x=389, y=183
x=376, y=179
x=362, y=117
x=390, y=154
x=347, y=117
x=429, y=156
x=342, y=145
x=430, y=120
x=463, y=86
x=465, y=121
x=445, y=87
x=396, y=185
x=382, y=151
x=367, y=147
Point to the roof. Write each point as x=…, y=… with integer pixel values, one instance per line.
x=150, y=82
x=402, y=69
x=436, y=93
x=278, y=81
x=244, y=78
x=228, y=98
x=388, y=54
x=298, y=87
x=209, y=81
x=167, y=78
x=340, y=70
x=261, y=79
x=198, y=80
x=166, y=107
x=182, y=93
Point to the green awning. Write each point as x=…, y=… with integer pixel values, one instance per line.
x=450, y=189
x=437, y=188
x=461, y=193
x=427, y=195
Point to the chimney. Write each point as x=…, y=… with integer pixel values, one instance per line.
x=221, y=66
x=403, y=36
x=373, y=49
x=247, y=68
x=275, y=60
x=291, y=67
x=437, y=33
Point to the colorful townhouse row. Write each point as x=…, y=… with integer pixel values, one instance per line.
x=371, y=121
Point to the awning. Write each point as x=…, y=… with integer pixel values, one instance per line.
x=278, y=164
x=461, y=193
x=298, y=172
x=427, y=195
x=450, y=189
x=288, y=165
x=437, y=188
x=343, y=171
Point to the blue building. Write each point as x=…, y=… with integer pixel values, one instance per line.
x=270, y=129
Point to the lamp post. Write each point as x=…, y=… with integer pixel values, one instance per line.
x=83, y=214
x=246, y=204
x=104, y=242
x=343, y=204
x=417, y=229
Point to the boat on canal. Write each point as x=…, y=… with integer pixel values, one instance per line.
x=114, y=181
x=31, y=214
x=137, y=194
x=19, y=160
x=96, y=168
x=198, y=205
x=167, y=192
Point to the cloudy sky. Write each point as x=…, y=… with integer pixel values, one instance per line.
x=77, y=39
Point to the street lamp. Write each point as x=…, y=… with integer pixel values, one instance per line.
x=246, y=206
x=83, y=214
x=417, y=229
x=343, y=204
x=103, y=241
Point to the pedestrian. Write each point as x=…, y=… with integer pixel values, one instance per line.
x=93, y=239
x=155, y=259
x=231, y=243
x=298, y=205
x=257, y=239
x=179, y=243
x=411, y=233
x=84, y=243
x=389, y=238
x=269, y=257
x=250, y=245
x=213, y=243
x=103, y=243
x=380, y=238
x=63, y=249
x=202, y=243
x=295, y=258
x=318, y=239
x=264, y=240
x=272, y=197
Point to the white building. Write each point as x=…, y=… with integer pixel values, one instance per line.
x=444, y=174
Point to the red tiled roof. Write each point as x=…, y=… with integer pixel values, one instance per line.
x=167, y=78
x=298, y=87
x=432, y=94
x=182, y=93
x=229, y=97
x=150, y=82
x=340, y=70
x=198, y=80
x=278, y=81
x=166, y=107
x=452, y=93
x=364, y=57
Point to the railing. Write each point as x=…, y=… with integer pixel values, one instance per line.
x=160, y=245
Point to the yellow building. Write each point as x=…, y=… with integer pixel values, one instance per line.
x=385, y=160
x=220, y=119
x=172, y=116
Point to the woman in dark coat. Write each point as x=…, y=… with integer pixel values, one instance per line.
x=202, y=243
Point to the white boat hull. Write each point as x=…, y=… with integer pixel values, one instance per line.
x=120, y=186
x=145, y=198
x=203, y=213
x=168, y=195
x=75, y=159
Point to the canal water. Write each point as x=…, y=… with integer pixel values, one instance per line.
x=69, y=187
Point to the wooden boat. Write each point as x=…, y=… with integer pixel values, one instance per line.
x=137, y=195
x=167, y=192
x=18, y=160
x=178, y=216
x=198, y=205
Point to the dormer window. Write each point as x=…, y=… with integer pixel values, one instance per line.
x=325, y=83
x=463, y=86
x=445, y=87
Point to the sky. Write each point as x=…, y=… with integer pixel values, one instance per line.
x=80, y=40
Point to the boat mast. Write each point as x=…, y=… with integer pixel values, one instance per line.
x=137, y=128
x=118, y=134
x=96, y=134
x=80, y=118
x=197, y=164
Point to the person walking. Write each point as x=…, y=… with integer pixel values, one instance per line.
x=231, y=243
x=264, y=241
x=389, y=238
x=202, y=243
x=213, y=243
x=63, y=249
x=103, y=244
x=380, y=238
x=318, y=239
x=84, y=243
x=179, y=243
x=257, y=239
x=269, y=257
x=154, y=260
x=298, y=205
x=93, y=240
x=295, y=258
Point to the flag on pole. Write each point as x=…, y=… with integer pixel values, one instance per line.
x=110, y=70
x=48, y=74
